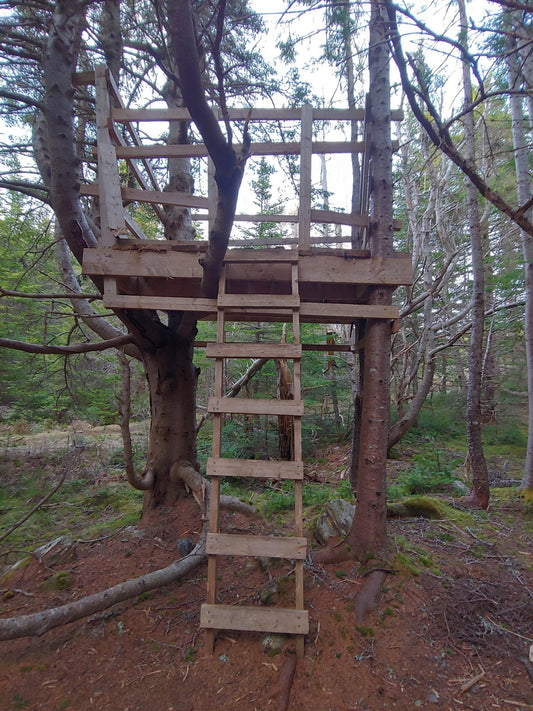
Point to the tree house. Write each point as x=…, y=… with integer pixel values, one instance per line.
x=307, y=277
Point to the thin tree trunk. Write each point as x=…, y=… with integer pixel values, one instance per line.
x=479, y=496
x=522, y=153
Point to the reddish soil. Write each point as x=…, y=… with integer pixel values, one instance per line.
x=454, y=633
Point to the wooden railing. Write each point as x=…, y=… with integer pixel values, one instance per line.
x=114, y=145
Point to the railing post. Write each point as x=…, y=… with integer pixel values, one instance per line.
x=306, y=155
x=112, y=221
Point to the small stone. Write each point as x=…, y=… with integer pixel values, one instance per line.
x=433, y=697
x=185, y=546
x=273, y=641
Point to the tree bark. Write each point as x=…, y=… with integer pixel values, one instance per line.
x=522, y=156
x=172, y=379
x=479, y=496
x=367, y=537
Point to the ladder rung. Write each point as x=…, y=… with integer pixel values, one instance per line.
x=258, y=301
x=258, y=468
x=245, y=545
x=254, y=619
x=254, y=406
x=253, y=350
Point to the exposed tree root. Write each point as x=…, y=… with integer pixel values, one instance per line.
x=374, y=572
x=284, y=685
x=40, y=622
x=201, y=490
x=475, y=500
x=337, y=554
x=368, y=596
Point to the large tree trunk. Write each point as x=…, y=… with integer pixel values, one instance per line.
x=369, y=532
x=367, y=538
x=172, y=379
x=166, y=350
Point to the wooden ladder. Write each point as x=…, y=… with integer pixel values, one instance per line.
x=215, y=616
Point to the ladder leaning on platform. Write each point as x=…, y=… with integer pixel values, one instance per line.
x=214, y=614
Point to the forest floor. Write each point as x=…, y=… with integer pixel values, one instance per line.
x=453, y=629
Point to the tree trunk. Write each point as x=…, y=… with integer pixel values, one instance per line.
x=368, y=534
x=479, y=496
x=522, y=154
x=172, y=380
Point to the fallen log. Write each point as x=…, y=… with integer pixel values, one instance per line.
x=40, y=622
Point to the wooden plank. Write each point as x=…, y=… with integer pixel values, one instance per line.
x=254, y=406
x=306, y=154
x=237, y=114
x=258, y=301
x=377, y=270
x=253, y=350
x=255, y=468
x=134, y=227
x=264, y=255
x=254, y=619
x=266, y=242
x=83, y=78
x=310, y=312
x=266, y=218
x=152, y=196
x=138, y=262
x=338, y=218
x=160, y=303
x=111, y=208
x=165, y=198
x=274, y=148
x=245, y=545
x=351, y=311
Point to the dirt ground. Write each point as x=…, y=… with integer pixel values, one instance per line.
x=453, y=629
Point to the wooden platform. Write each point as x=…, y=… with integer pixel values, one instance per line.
x=333, y=285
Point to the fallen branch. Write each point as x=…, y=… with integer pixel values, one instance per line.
x=40, y=622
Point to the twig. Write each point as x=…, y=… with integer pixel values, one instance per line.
x=503, y=629
x=37, y=506
x=469, y=684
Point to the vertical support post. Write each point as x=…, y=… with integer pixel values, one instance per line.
x=112, y=221
x=111, y=209
x=306, y=155
x=214, y=504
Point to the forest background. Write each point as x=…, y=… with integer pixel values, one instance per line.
x=430, y=359
x=461, y=365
